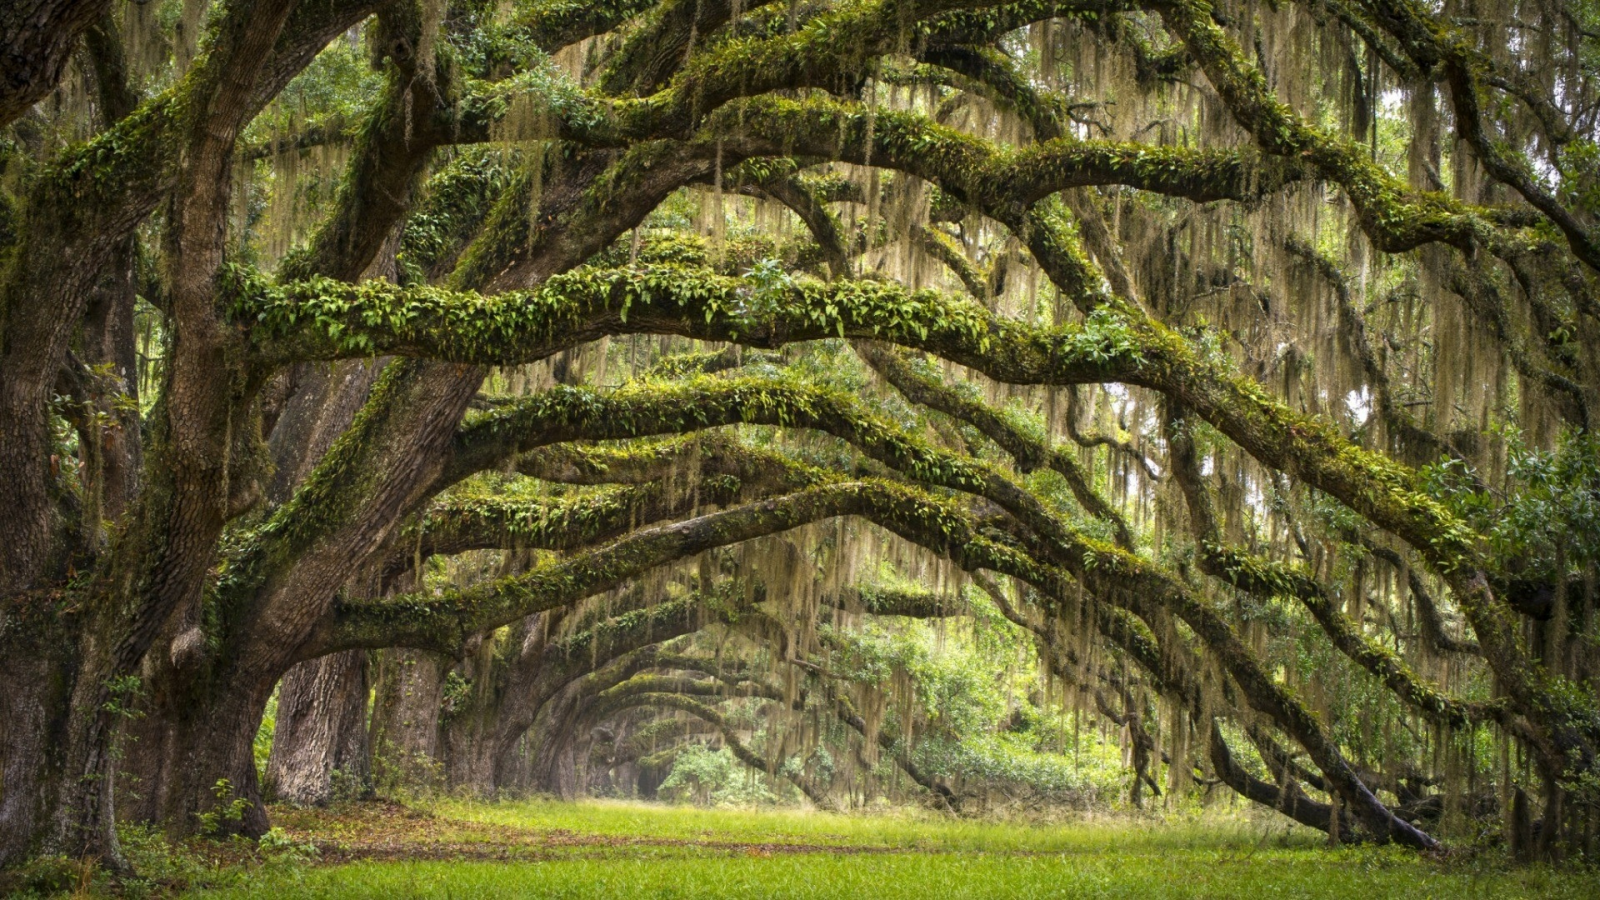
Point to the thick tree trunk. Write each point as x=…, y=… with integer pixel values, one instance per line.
x=195, y=729
x=162, y=558
x=320, y=745
x=1519, y=828
x=212, y=700
x=203, y=430
x=264, y=642
x=150, y=742
x=324, y=403
x=523, y=693
x=84, y=808
x=553, y=765
x=190, y=735
x=467, y=740
x=116, y=448
x=514, y=772
x=468, y=757
x=562, y=779
x=33, y=722
x=214, y=786
x=409, y=690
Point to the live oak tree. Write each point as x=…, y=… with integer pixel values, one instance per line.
x=1242, y=356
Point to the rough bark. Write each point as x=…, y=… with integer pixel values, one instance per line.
x=37, y=38
x=110, y=352
x=35, y=666
x=76, y=215
x=324, y=402
x=320, y=746
x=165, y=561
x=411, y=415
x=407, y=696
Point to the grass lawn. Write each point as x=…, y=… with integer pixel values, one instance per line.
x=618, y=850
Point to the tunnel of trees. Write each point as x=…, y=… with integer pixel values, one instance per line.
x=521, y=395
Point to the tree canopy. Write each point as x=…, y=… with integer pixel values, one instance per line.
x=877, y=389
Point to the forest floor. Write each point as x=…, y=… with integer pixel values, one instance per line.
x=542, y=849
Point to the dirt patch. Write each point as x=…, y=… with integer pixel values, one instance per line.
x=389, y=832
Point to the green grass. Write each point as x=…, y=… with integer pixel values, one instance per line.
x=897, y=830
x=617, y=850
x=915, y=877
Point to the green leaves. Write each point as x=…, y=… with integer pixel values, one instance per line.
x=319, y=318
x=1106, y=336
x=1546, y=522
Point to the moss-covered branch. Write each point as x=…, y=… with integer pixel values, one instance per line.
x=449, y=617
x=1286, y=797
x=680, y=485
x=1108, y=572
x=987, y=175
x=1029, y=452
x=663, y=696
x=462, y=521
x=657, y=50
x=1309, y=448
x=912, y=603
x=1267, y=579
x=322, y=319
x=1393, y=215
x=553, y=24
x=1433, y=45
x=712, y=454
x=1374, y=485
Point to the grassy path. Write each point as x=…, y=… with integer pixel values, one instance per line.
x=614, y=850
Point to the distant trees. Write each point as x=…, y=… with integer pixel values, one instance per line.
x=1242, y=356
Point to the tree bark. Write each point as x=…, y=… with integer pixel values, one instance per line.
x=109, y=343
x=37, y=38
x=215, y=743
x=467, y=739
x=33, y=722
x=320, y=746
x=325, y=401
x=408, y=693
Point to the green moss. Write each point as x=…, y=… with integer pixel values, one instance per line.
x=322, y=318
x=454, y=203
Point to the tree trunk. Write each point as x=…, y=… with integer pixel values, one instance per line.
x=325, y=401
x=552, y=739
x=468, y=739
x=195, y=729
x=150, y=752
x=562, y=778
x=409, y=690
x=33, y=723
x=214, y=747
x=38, y=37
x=514, y=771
x=1519, y=828
x=321, y=730
x=116, y=449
